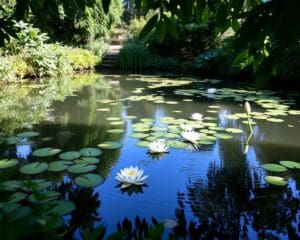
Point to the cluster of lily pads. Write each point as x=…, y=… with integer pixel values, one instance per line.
x=283, y=166
x=179, y=133
x=274, y=106
x=82, y=163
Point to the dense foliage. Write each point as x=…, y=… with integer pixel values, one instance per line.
x=263, y=29
x=29, y=55
x=136, y=56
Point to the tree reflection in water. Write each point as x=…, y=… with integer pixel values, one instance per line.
x=222, y=212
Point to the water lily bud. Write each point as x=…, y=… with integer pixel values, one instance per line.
x=246, y=149
x=247, y=108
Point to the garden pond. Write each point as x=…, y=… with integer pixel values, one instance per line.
x=63, y=142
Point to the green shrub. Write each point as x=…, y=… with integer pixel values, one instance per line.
x=136, y=25
x=193, y=39
x=134, y=55
x=207, y=60
x=98, y=47
x=81, y=58
x=6, y=70
x=28, y=37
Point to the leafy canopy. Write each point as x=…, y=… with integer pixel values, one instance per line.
x=264, y=29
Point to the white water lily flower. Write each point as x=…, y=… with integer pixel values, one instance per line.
x=131, y=176
x=197, y=116
x=158, y=146
x=211, y=90
x=187, y=127
x=247, y=108
x=191, y=136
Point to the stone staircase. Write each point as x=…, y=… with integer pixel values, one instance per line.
x=110, y=59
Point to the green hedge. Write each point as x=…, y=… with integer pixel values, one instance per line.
x=44, y=61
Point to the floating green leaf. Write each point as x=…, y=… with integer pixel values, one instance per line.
x=69, y=155
x=43, y=197
x=275, y=120
x=46, y=152
x=34, y=168
x=116, y=131
x=87, y=160
x=172, y=135
x=12, y=140
x=274, y=167
x=223, y=136
x=8, y=163
x=62, y=207
x=139, y=135
x=11, y=185
x=38, y=184
x=17, y=197
x=205, y=142
x=58, y=166
x=110, y=145
x=89, y=180
x=142, y=144
x=233, y=130
x=81, y=168
x=290, y=164
x=176, y=144
x=90, y=152
x=278, y=181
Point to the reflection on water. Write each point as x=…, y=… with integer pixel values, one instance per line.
x=214, y=192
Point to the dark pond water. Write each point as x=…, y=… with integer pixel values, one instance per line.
x=215, y=190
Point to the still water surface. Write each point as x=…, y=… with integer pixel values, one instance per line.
x=217, y=190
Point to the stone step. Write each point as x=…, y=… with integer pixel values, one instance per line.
x=110, y=58
x=109, y=61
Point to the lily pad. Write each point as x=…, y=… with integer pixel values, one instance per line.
x=69, y=155
x=58, y=166
x=38, y=184
x=87, y=160
x=62, y=207
x=117, y=123
x=8, y=163
x=34, y=168
x=113, y=119
x=110, y=145
x=17, y=197
x=158, y=129
x=290, y=164
x=205, y=142
x=141, y=129
x=274, y=167
x=176, y=144
x=275, y=120
x=151, y=138
x=11, y=185
x=12, y=140
x=90, y=152
x=275, y=180
x=89, y=180
x=233, y=130
x=116, y=131
x=142, y=144
x=28, y=134
x=46, y=152
x=81, y=168
x=158, y=134
x=139, y=135
x=172, y=135
x=223, y=136
x=43, y=197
